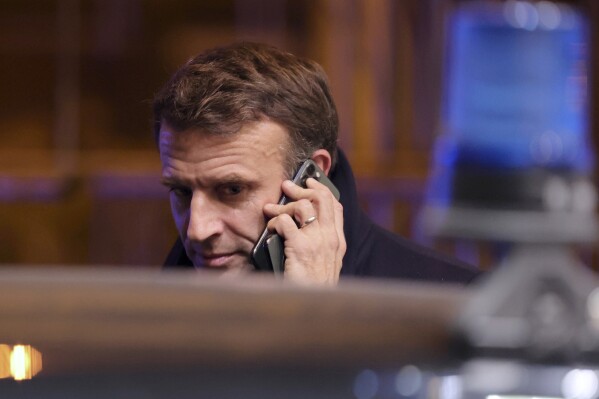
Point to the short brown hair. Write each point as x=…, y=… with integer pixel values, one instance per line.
x=222, y=89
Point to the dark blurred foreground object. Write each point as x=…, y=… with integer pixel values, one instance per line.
x=118, y=333
x=141, y=334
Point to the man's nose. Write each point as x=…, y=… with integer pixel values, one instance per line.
x=205, y=219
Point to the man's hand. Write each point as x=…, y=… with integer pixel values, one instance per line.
x=312, y=228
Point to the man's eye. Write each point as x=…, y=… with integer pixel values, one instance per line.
x=181, y=192
x=231, y=190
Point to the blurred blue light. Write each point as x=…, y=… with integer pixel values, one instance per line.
x=366, y=384
x=516, y=88
x=580, y=384
x=408, y=381
x=514, y=142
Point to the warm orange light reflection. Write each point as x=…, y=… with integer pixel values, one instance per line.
x=20, y=362
x=5, y=361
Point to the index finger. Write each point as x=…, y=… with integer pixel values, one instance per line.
x=297, y=192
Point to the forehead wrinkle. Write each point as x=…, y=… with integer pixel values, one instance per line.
x=231, y=146
x=194, y=156
x=204, y=174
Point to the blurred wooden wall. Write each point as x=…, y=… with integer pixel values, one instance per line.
x=78, y=167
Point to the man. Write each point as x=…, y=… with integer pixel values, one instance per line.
x=232, y=126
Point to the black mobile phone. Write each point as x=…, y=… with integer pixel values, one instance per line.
x=268, y=253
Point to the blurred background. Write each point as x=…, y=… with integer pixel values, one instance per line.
x=79, y=171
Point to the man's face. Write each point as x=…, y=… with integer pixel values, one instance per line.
x=218, y=187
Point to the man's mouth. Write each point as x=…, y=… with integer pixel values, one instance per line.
x=216, y=260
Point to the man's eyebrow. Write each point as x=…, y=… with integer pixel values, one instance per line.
x=233, y=178
x=226, y=179
x=169, y=182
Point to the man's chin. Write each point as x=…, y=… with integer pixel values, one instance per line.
x=241, y=270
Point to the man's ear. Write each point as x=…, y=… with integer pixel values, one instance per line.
x=322, y=158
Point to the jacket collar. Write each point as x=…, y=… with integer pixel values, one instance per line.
x=355, y=223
